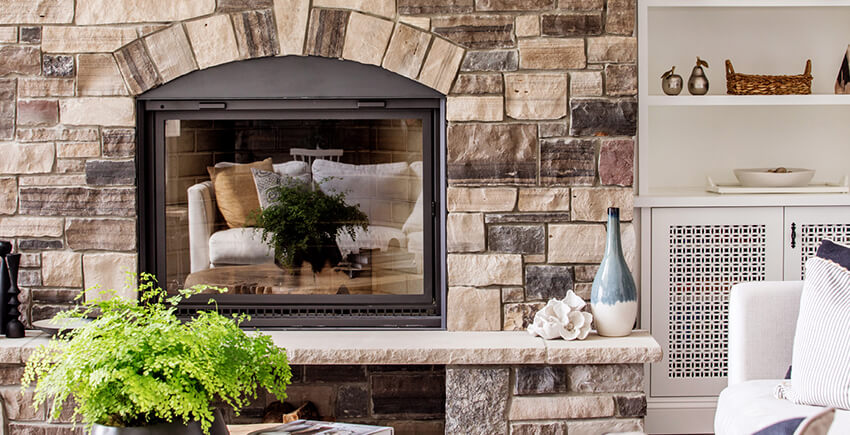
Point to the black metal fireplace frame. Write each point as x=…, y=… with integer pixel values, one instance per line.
x=300, y=88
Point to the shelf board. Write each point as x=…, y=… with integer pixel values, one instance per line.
x=698, y=197
x=745, y=3
x=748, y=100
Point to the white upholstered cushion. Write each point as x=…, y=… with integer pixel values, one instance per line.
x=239, y=246
x=414, y=221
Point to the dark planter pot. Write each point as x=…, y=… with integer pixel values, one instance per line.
x=193, y=428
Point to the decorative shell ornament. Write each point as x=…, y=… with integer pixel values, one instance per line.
x=563, y=319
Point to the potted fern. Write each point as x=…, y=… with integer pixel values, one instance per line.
x=139, y=370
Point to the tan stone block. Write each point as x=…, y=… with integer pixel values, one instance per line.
x=110, y=272
x=513, y=294
x=441, y=65
x=62, y=39
x=67, y=166
x=478, y=84
x=595, y=427
x=472, y=309
x=8, y=35
x=366, y=38
x=139, y=11
x=612, y=49
x=77, y=149
x=536, y=95
x=585, y=273
x=98, y=74
x=8, y=195
x=552, y=53
x=171, y=52
x=560, y=407
x=481, y=198
x=213, y=40
x=61, y=269
x=406, y=51
x=60, y=134
x=101, y=234
x=52, y=180
x=466, y=108
x=583, y=289
x=137, y=67
x=544, y=199
x=384, y=8
x=37, y=112
x=576, y=243
x=31, y=226
x=465, y=232
x=533, y=258
x=26, y=158
x=527, y=25
x=519, y=316
x=591, y=204
x=586, y=84
x=255, y=33
x=581, y=5
x=32, y=87
x=37, y=11
x=484, y=269
x=106, y=111
x=423, y=23
x=291, y=17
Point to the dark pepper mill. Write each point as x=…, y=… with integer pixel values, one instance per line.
x=5, y=249
x=14, y=327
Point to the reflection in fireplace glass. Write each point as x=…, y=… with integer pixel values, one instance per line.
x=219, y=173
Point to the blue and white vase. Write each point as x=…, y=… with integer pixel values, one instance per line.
x=613, y=299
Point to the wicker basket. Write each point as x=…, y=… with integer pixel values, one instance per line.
x=750, y=84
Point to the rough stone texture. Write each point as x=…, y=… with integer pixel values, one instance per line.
x=605, y=378
x=554, y=428
x=552, y=129
x=26, y=158
x=441, y=65
x=540, y=380
x=9, y=35
x=576, y=243
x=586, y=273
x=519, y=218
x=19, y=60
x=616, y=162
x=472, y=309
x=586, y=84
x=213, y=41
x=38, y=112
x=29, y=87
x=546, y=282
x=56, y=134
x=519, y=316
x=536, y=95
x=621, y=80
x=109, y=272
x=492, y=153
x=137, y=67
x=481, y=199
x=476, y=400
x=406, y=51
x=512, y=294
x=631, y=405
x=51, y=180
x=107, y=111
x=620, y=17
x=579, y=24
x=110, y=172
x=170, y=51
x=37, y=11
x=98, y=74
x=57, y=65
x=291, y=17
x=62, y=269
x=476, y=31
x=613, y=49
x=513, y=5
x=7, y=108
x=242, y=5
x=366, y=38
x=595, y=427
x=30, y=35
x=544, y=199
x=9, y=195
x=77, y=201
x=135, y=11
x=73, y=39
x=485, y=269
x=352, y=401
x=18, y=405
x=527, y=25
x=415, y=7
x=326, y=35
x=100, y=234
x=465, y=232
x=592, y=204
x=341, y=373
x=119, y=142
x=383, y=8
x=517, y=239
x=255, y=34
x=595, y=117
x=478, y=84
x=552, y=53
x=500, y=60
x=30, y=226
x=466, y=108
x=423, y=23
x=568, y=162
x=560, y=407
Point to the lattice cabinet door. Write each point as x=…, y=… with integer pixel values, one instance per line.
x=698, y=254
x=805, y=227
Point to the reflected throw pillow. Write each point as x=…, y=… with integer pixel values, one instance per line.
x=817, y=424
x=235, y=193
x=266, y=181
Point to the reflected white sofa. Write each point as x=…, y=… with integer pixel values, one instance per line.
x=762, y=321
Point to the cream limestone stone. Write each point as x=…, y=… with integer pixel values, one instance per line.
x=481, y=198
x=583, y=289
x=612, y=49
x=213, y=40
x=109, y=272
x=474, y=108
x=77, y=149
x=586, y=84
x=423, y=23
x=366, y=38
x=8, y=35
x=138, y=11
x=527, y=25
x=384, y=8
x=52, y=180
x=560, y=407
x=544, y=199
x=61, y=269
x=32, y=87
x=441, y=65
x=639, y=347
x=26, y=158
x=591, y=204
x=536, y=95
x=291, y=17
x=98, y=74
x=37, y=11
x=472, y=309
x=552, y=53
x=406, y=51
x=576, y=243
x=171, y=52
x=8, y=195
x=481, y=270
x=533, y=258
x=74, y=39
x=595, y=427
x=465, y=232
x=106, y=111
x=31, y=226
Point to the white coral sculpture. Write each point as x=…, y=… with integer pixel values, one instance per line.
x=563, y=319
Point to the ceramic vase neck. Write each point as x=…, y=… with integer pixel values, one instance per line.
x=613, y=247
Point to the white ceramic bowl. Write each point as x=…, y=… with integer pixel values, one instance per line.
x=760, y=177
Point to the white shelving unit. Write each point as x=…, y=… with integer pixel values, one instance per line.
x=684, y=139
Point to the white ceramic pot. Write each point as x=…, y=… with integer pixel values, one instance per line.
x=760, y=177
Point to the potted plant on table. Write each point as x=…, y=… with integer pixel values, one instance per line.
x=139, y=370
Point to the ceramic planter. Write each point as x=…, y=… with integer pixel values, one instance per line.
x=193, y=428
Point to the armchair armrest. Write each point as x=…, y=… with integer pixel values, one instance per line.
x=762, y=321
x=201, y=224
